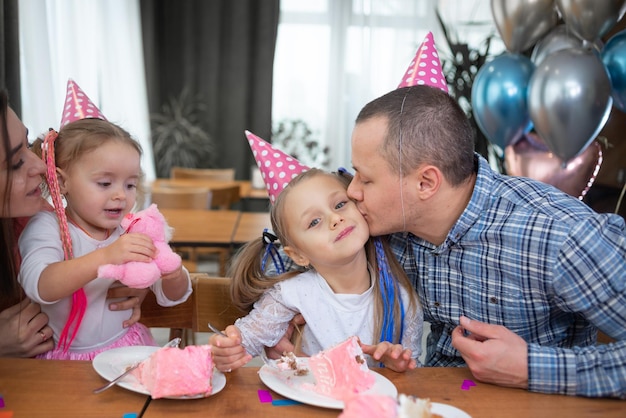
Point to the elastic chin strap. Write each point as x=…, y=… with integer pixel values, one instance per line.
x=388, y=290
x=271, y=250
x=79, y=298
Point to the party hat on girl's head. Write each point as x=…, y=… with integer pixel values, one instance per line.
x=425, y=69
x=78, y=105
x=277, y=168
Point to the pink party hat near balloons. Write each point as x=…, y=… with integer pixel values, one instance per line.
x=277, y=168
x=78, y=105
x=425, y=69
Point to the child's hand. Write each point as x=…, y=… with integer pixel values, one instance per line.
x=393, y=356
x=228, y=353
x=130, y=247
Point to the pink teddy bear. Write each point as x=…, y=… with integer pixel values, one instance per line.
x=138, y=274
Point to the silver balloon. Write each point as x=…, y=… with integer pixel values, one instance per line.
x=569, y=100
x=521, y=23
x=557, y=39
x=591, y=19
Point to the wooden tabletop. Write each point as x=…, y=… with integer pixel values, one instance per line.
x=50, y=388
x=245, y=186
x=250, y=226
x=198, y=227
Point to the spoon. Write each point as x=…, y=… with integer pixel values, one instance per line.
x=174, y=343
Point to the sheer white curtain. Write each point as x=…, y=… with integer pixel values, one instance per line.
x=98, y=44
x=334, y=56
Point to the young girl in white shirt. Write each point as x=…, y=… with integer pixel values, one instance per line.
x=95, y=166
x=352, y=284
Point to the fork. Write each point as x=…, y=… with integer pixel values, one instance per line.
x=266, y=360
x=174, y=343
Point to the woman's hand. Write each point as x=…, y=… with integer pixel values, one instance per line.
x=25, y=331
x=134, y=299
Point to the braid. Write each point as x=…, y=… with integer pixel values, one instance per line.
x=79, y=298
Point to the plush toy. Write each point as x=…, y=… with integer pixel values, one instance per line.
x=139, y=274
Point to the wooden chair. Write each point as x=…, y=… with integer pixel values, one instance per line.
x=227, y=174
x=180, y=197
x=209, y=302
x=220, y=199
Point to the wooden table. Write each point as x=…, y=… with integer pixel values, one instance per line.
x=50, y=388
x=196, y=227
x=245, y=186
x=250, y=226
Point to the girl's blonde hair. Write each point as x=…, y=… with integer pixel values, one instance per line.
x=85, y=135
x=249, y=280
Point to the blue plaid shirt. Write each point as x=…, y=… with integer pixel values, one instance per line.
x=541, y=263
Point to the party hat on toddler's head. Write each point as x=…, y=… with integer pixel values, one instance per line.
x=425, y=69
x=277, y=168
x=78, y=105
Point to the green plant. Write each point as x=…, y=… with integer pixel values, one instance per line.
x=179, y=137
x=294, y=137
x=460, y=69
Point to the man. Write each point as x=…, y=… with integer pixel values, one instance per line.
x=528, y=272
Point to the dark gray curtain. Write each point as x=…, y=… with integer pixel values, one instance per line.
x=222, y=50
x=10, y=53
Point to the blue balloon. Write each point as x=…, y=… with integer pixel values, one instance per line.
x=614, y=59
x=499, y=98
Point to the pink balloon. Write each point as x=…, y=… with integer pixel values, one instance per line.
x=529, y=157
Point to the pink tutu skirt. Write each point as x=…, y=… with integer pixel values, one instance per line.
x=138, y=334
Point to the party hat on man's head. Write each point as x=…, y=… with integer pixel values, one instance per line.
x=277, y=168
x=78, y=105
x=425, y=69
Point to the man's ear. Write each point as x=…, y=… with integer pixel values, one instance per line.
x=61, y=176
x=296, y=256
x=428, y=180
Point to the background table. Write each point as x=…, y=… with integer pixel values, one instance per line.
x=197, y=227
x=250, y=226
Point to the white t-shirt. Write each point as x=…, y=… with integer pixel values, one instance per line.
x=40, y=245
x=330, y=317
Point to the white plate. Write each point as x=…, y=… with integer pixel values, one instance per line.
x=112, y=363
x=448, y=411
x=287, y=384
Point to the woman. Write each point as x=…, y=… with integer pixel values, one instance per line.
x=24, y=330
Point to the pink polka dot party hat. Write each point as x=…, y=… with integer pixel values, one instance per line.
x=425, y=69
x=277, y=168
x=78, y=105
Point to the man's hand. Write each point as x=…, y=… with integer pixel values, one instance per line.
x=285, y=345
x=134, y=299
x=493, y=353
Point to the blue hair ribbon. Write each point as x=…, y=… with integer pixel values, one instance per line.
x=271, y=251
x=388, y=290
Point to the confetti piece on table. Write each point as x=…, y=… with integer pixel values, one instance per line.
x=265, y=396
x=1, y=402
x=285, y=402
x=130, y=415
x=6, y=414
x=467, y=384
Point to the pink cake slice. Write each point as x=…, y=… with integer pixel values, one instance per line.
x=341, y=371
x=174, y=372
x=368, y=405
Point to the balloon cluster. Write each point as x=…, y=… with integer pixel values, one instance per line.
x=566, y=89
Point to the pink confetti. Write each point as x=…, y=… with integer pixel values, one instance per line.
x=264, y=396
x=467, y=384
